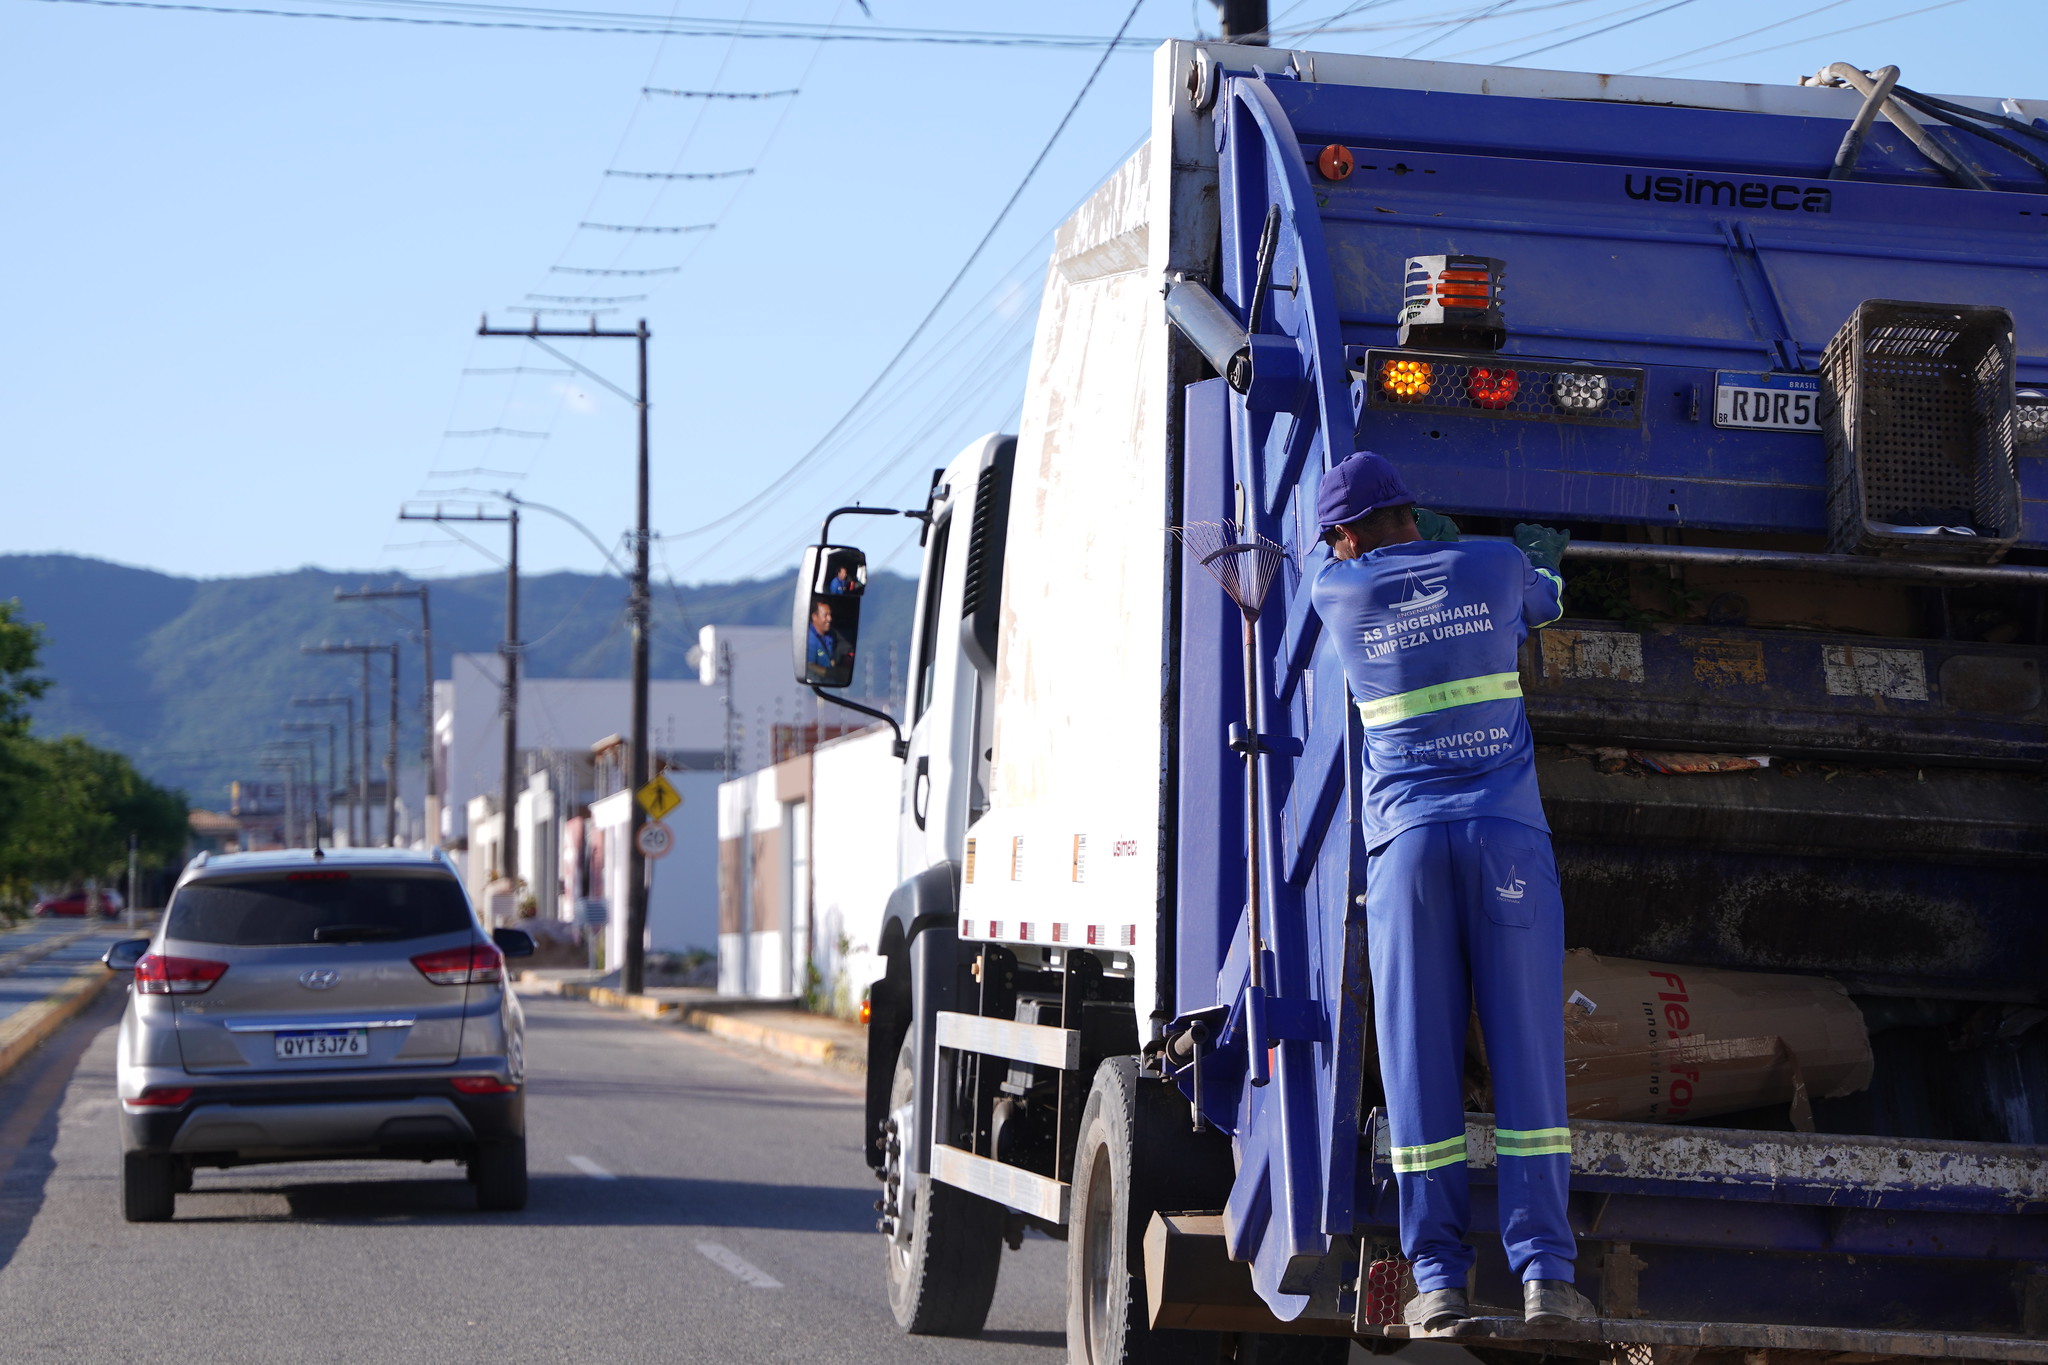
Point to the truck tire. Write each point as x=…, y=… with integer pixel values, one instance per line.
x=944, y=1257
x=498, y=1170
x=148, y=1193
x=1107, y=1312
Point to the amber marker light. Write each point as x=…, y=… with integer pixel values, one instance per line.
x=1405, y=380
x=1492, y=388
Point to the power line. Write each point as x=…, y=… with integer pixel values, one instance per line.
x=780, y=480
x=1836, y=33
x=694, y=175
x=632, y=25
x=628, y=227
x=579, y=298
x=718, y=94
x=586, y=270
x=520, y=369
x=1692, y=52
x=1567, y=42
x=500, y=431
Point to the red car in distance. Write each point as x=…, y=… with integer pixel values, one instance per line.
x=107, y=902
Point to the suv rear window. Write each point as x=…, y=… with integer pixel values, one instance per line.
x=317, y=907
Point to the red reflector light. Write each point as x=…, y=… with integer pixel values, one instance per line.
x=482, y=1085
x=867, y=1011
x=474, y=964
x=164, y=1096
x=316, y=876
x=156, y=974
x=1491, y=388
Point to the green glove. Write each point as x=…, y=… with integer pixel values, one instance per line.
x=1544, y=546
x=1434, y=525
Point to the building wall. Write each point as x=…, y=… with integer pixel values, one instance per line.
x=806, y=862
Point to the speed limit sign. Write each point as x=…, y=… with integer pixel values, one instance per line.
x=656, y=839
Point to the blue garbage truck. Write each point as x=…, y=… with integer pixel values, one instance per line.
x=1777, y=357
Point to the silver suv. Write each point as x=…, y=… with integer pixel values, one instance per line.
x=303, y=1006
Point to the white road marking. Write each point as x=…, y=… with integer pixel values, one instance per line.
x=591, y=1168
x=742, y=1269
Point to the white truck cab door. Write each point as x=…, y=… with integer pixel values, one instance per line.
x=943, y=700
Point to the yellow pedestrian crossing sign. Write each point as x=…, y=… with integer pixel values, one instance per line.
x=658, y=797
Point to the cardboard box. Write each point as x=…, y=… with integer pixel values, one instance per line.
x=1665, y=1043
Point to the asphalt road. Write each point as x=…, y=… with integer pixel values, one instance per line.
x=690, y=1203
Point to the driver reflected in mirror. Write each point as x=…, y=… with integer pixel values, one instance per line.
x=828, y=653
x=846, y=574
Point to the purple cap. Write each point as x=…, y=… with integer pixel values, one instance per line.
x=1360, y=485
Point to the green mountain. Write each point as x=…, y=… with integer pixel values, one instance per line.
x=189, y=677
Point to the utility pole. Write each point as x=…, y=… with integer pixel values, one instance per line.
x=433, y=798
x=1244, y=21
x=335, y=778
x=508, y=692
x=308, y=818
x=328, y=726
x=391, y=760
x=632, y=970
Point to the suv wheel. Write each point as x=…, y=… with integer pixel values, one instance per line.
x=148, y=1188
x=498, y=1170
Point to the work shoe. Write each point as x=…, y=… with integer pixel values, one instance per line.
x=1553, y=1303
x=1435, y=1309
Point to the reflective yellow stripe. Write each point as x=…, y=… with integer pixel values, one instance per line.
x=1429, y=1156
x=1442, y=697
x=1532, y=1141
x=1559, y=582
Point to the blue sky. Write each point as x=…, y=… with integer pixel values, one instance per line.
x=248, y=254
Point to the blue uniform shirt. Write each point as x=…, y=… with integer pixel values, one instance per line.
x=1428, y=632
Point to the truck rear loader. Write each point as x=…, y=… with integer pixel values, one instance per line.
x=1773, y=356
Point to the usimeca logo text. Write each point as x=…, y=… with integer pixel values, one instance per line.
x=1746, y=194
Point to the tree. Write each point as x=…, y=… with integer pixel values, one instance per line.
x=66, y=807
x=21, y=642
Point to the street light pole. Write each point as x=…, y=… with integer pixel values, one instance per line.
x=335, y=778
x=328, y=726
x=433, y=799
x=508, y=695
x=391, y=758
x=632, y=970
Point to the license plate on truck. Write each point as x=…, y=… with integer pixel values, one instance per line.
x=1767, y=402
x=328, y=1042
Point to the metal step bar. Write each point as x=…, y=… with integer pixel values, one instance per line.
x=1011, y=1186
x=1035, y=1044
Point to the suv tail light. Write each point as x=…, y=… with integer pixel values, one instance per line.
x=156, y=974
x=473, y=964
x=163, y=1096
x=482, y=1085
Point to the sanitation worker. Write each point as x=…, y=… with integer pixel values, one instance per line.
x=1461, y=891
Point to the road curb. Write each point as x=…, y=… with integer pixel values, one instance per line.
x=31, y=1026
x=15, y=959
x=735, y=1028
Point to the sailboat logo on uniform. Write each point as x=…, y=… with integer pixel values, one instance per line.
x=1514, y=889
x=1422, y=592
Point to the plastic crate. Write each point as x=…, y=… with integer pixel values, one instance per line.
x=1917, y=411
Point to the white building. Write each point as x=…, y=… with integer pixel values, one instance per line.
x=807, y=857
x=724, y=719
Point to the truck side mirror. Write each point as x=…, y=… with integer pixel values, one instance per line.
x=825, y=624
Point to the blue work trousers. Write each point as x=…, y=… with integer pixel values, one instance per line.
x=1460, y=911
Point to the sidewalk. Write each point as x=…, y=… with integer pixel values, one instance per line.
x=49, y=973
x=775, y=1026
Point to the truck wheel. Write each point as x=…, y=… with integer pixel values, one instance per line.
x=498, y=1170
x=945, y=1245
x=147, y=1188
x=1107, y=1312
